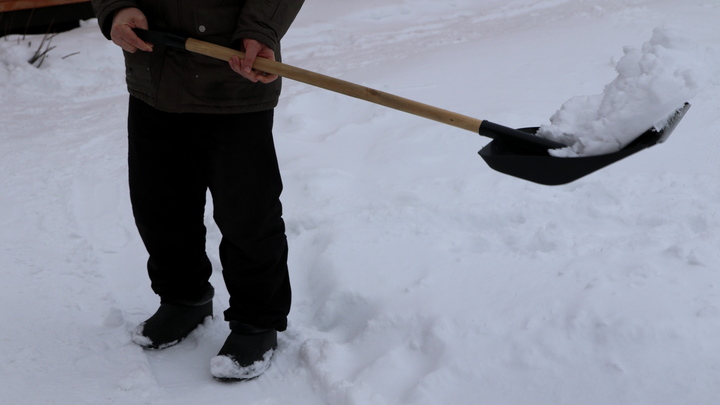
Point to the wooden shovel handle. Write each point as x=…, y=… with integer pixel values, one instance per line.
x=340, y=86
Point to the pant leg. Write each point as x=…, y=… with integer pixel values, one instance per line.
x=245, y=183
x=167, y=192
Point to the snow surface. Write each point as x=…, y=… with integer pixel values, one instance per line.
x=420, y=275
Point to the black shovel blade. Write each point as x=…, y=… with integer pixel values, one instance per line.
x=538, y=166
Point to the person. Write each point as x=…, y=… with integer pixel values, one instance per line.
x=196, y=124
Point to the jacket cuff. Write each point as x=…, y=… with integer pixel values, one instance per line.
x=266, y=21
x=271, y=42
x=105, y=11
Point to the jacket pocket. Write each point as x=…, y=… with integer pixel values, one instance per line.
x=138, y=71
x=213, y=80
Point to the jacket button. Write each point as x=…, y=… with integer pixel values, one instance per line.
x=201, y=28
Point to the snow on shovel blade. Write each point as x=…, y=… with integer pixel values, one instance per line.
x=540, y=167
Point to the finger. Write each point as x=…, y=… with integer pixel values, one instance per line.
x=129, y=36
x=254, y=75
x=237, y=66
x=123, y=36
x=124, y=45
x=249, y=60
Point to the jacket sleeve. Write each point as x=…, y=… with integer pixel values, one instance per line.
x=105, y=11
x=266, y=21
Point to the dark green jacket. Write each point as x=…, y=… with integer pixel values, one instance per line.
x=179, y=81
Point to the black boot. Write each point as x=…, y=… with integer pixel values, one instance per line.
x=246, y=354
x=170, y=325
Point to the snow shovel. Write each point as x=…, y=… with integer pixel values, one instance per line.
x=516, y=152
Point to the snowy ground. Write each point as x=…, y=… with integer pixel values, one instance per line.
x=420, y=275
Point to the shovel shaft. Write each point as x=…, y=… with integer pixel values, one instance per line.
x=519, y=153
x=340, y=86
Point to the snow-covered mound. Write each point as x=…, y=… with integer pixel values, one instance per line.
x=652, y=83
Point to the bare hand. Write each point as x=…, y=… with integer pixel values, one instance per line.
x=122, y=34
x=244, y=67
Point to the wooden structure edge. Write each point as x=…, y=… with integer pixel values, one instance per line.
x=13, y=5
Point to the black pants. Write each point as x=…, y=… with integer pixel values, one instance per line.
x=173, y=160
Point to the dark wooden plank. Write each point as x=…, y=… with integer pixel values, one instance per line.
x=40, y=20
x=12, y=5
